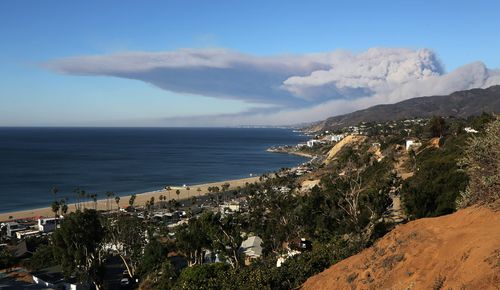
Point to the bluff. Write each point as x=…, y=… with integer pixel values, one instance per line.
x=456, y=251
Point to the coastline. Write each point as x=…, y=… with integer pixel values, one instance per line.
x=140, y=200
x=301, y=154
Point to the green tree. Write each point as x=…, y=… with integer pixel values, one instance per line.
x=43, y=257
x=54, y=191
x=126, y=234
x=192, y=239
x=78, y=246
x=225, y=236
x=155, y=253
x=109, y=194
x=6, y=259
x=55, y=207
x=202, y=277
x=481, y=160
x=168, y=189
x=132, y=199
x=117, y=201
x=437, y=126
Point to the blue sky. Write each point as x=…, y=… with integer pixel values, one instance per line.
x=34, y=33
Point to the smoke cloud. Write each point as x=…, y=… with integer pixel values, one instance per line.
x=292, y=88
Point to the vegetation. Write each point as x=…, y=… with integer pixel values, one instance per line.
x=78, y=246
x=482, y=164
x=437, y=181
x=344, y=213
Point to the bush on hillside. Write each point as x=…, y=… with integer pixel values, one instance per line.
x=482, y=164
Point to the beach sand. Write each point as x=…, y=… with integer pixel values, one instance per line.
x=139, y=201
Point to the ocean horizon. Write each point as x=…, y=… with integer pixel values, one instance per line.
x=130, y=160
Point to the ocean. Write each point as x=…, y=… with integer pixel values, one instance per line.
x=130, y=160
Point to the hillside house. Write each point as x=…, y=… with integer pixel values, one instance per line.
x=251, y=248
x=47, y=225
x=411, y=143
x=470, y=130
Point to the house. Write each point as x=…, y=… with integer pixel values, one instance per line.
x=52, y=277
x=337, y=137
x=23, y=250
x=232, y=206
x=282, y=258
x=410, y=143
x=313, y=142
x=13, y=227
x=251, y=248
x=27, y=233
x=47, y=225
x=470, y=130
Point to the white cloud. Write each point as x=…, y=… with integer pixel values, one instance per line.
x=300, y=88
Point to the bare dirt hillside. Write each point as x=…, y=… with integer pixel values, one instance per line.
x=348, y=140
x=457, y=251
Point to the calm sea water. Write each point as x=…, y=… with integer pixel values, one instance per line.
x=128, y=160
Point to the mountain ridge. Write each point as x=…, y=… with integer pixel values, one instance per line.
x=458, y=104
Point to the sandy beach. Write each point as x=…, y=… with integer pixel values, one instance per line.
x=140, y=199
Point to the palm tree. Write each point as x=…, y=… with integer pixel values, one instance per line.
x=76, y=191
x=55, y=207
x=225, y=187
x=54, y=191
x=188, y=189
x=168, y=189
x=199, y=191
x=64, y=206
x=109, y=194
x=82, y=197
x=117, y=200
x=94, y=198
x=178, y=192
x=152, y=202
x=132, y=199
x=161, y=200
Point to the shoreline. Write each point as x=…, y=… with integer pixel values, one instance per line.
x=140, y=199
x=301, y=154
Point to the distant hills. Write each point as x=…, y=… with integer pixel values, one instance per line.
x=458, y=104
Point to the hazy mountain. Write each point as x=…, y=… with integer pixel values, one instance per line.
x=458, y=104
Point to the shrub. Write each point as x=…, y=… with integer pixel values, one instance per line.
x=482, y=164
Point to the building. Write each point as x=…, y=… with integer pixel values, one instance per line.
x=47, y=225
x=313, y=142
x=27, y=233
x=470, y=130
x=13, y=227
x=53, y=278
x=251, y=248
x=410, y=143
x=337, y=137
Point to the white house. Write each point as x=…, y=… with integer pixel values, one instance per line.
x=26, y=233
x=470, y=130
x=47, y=225
x=313, y=142
x=282, y=258
x=410, y=143
x=13, y=227
x=337, y=137
x=251, y=248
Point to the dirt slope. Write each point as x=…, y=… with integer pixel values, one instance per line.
x=346, y=141
x=457, y=251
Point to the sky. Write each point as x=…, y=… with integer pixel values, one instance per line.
x=231, y=63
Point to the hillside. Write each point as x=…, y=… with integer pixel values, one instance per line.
x=459, y=104
x=457, y=251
